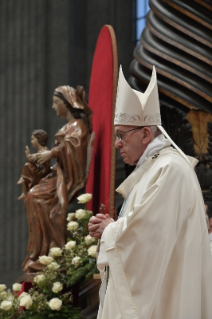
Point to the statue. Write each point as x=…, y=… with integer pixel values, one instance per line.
x=46, y=203
x=32, y=171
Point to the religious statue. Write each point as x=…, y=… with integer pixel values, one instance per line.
x=46, y=202
x=32, y=172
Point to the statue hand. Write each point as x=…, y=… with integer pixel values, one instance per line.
x=43, y=157
x=27, y=152
x=32, y=158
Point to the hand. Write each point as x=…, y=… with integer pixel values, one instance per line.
x=27, y=152
x=32, y=158
x=98, y=223
x=43, y=157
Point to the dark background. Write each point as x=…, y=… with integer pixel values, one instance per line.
x=43, y=44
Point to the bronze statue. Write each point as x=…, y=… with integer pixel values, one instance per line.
x=32, y=172
x=46, y=203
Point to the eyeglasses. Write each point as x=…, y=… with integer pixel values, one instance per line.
x=120, y=135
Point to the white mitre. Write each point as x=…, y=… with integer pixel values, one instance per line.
x=135, y=108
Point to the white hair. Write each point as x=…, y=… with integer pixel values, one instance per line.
x=155, y=130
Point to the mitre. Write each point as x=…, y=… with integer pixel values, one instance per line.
x=135, y=108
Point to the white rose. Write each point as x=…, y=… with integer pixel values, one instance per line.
x=23, y=294
x=89, y=239
x=55, y=304
x=80, y=213
x=70, y=217
x=45, y=260
x=2, y=287
x=57, y=286
x=3, y=294
x=53, y=266
x=92, y=251
x=72, y=225
x=39, y=278
x=6, y=305
x=25, y=301
x=70, y=245
x=17, y=287
x=56, y=252
x=76, y=260
x=84, y=198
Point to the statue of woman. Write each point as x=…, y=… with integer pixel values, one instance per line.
x=46, y=203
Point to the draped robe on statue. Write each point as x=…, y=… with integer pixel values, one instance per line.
x=32, y=173
x=47, y=202
x=158, y=253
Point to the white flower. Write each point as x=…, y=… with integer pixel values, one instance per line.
x=70, y=217
x=2, y=287
x=57, y=286
x=72, y=225
x=80, y=214
x=89, y=240
x=56, y=252
x=6, y=305
x=23, y=294
x=3, y=294
x=45, y=260
x=92, y=251
x=70, y=245
x=84, y=198
x=39, y=278
x=76, y=260
x=55, y=304
x=53, y=266
x=17, y=287
x=25, y=301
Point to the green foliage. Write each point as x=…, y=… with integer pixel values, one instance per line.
x=66, y=312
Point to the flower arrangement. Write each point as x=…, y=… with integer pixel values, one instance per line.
x=50, y=295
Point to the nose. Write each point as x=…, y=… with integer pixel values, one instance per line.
x=118, y=143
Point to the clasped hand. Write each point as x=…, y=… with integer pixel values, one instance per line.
x=98, y=223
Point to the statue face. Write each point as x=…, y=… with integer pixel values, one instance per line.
x=59, y=107
x=34, y=142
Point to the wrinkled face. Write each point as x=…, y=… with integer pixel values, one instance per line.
x=34, y=142
x=131, y=145
x=59, y=107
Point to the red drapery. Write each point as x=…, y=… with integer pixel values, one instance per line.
x=102, y=94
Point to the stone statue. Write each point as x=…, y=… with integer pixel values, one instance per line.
x=32, y=172
x=46, y=203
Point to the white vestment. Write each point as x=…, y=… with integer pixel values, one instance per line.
x=160, y=266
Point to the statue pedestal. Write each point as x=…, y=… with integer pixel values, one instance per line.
x=89, y=297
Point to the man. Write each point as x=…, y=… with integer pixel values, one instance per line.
x=156, y=256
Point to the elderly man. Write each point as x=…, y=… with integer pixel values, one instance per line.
x=156, y=257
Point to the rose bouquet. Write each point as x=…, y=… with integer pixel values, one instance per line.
x=50, y=295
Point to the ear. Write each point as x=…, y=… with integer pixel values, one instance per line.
x=147, y=135
x=210, y=222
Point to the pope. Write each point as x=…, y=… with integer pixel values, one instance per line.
x=155, y=259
